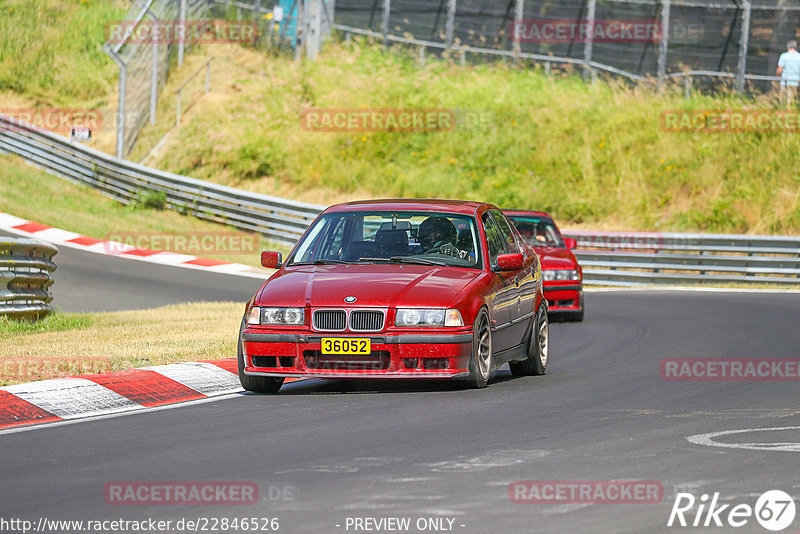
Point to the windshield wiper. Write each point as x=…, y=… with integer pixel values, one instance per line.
x=322, y=262
x=404, y=259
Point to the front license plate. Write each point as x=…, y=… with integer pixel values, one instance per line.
x=346, y=345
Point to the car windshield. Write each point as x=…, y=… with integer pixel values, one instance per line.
x=424, y=238
x=538, y=231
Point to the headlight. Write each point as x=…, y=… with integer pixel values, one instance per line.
x=427, y=317
x=276, y=316
x=560, y=274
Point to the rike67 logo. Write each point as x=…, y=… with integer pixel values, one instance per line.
x=774, y=510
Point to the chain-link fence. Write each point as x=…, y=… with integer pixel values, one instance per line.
x=143, y=47
x=735, y=40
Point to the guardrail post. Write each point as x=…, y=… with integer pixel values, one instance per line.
x=744, y=38
x=687, y=86
x=588, y=47
x=450, y=23
x=422, y=56
x=547, y=68
x=178, y=110
x=208, y=76
x=387, y=10
x=663, y=44
x=519, y=14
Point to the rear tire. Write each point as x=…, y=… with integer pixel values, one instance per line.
x=256, y=384
x=538, y=348
x=480, y=362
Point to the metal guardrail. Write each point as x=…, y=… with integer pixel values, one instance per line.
x=278, y=219
x=643, y=258
x=25, y=277
x=608, y=258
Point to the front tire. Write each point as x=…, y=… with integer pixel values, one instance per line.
x=256, y=384
x=480, y=362
x=538, y=348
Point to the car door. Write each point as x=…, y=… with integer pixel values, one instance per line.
x=503, y=294
x=524, y=280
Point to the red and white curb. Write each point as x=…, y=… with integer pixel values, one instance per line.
x=79, y=397
x=56, y=236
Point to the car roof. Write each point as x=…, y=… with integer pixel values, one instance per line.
x=413, y=204
x=534, y=213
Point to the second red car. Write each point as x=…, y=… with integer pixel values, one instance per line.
x=563, y=276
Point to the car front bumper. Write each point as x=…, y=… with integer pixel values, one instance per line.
x=566, y=297
x=422, y=356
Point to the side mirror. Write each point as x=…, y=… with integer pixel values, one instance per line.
x=271, y=260
x=509, y=262
x=571, y=243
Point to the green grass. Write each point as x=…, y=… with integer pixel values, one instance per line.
x=51, y=50
x=32, y=194
x=67, y=344
x=591, y=154
x=54, y=322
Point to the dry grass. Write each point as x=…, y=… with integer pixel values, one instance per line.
x=102, y=342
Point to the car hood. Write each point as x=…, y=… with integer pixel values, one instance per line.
x=372, y=285
x=556, y=258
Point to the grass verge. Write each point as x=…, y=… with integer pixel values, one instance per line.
x=81, y=209
x=66, y=344
x=593, y=154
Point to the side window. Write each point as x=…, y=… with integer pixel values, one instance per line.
x=506, y=234
x=494, y=238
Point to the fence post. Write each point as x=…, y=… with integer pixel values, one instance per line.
x=298, y=28
x=450, y=23
x=587, y=49
x=663, y=44
x=154, y=83
x=519, y=14
x=744, y=37
x=313, y=31
x=208, y=76
x=182, y=32
x=123, y=89
x=387, y=9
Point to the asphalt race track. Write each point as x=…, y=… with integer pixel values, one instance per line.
x=321, y=452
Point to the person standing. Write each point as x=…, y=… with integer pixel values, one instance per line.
x=789, y=71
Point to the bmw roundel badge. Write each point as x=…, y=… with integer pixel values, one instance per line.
x=350, y=299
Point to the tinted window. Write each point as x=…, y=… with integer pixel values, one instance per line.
x=392, y=237
x=538, y=231
x=494, y=238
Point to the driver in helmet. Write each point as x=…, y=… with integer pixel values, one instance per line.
x=437, y=234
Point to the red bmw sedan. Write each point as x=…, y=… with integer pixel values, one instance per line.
x=563, y=276
x=431, y=289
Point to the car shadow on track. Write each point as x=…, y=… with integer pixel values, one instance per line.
x=321, y=386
